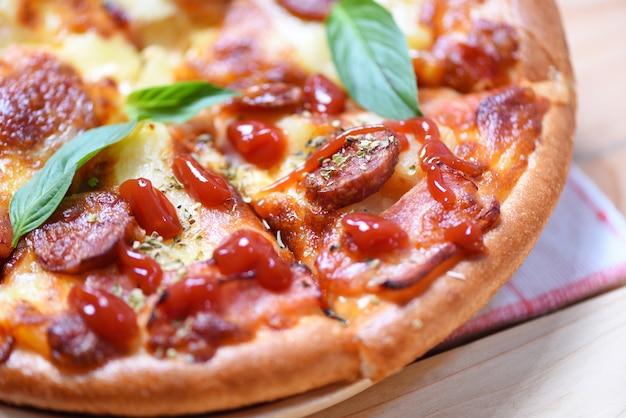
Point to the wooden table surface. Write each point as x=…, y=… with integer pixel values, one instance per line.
x=571, y=363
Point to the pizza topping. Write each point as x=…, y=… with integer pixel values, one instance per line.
x=308, y=9
x=325, y=151
x=468, y=54
x=360, y=168
x=188, y=296
x=83, y=232
x=270, y=96
x=323, y=96
x=152, y=209
x=371, y=56
x=185, y=320
x=6, y=233
x=248, y=253
x=511, y=117
x=177, y=102
x=33, y=203
x=259, y=143
x=467, y=235
x=373, y=234
x=73, y=344
x=43, y=101
x=433, y=154
x=195, y=339
x=144, y=271
x=104, y=313
x=206, y=187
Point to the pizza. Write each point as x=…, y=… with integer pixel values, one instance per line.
x=208, y=205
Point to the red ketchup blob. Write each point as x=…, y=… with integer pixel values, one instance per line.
x=466, y=235
x=206, y=187
x=247, y=252
x=259, y=143
x=373, y=234
x=153, y=211
x=144, y=271
x=104, y=313
x=189, y=296
x=323, y=96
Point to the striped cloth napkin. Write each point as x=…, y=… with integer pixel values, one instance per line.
x=581, y=253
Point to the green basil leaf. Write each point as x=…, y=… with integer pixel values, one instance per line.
x=371, y=56
x=175, y=103
x=34, y=202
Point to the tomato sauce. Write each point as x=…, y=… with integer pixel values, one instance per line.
x=248, y=253
x=152, y=209
x=259, y=143
x=105, y=314
x=189, y=296
x=144, y=271
x=323, y=96
x=373, y=234
x=206, y=187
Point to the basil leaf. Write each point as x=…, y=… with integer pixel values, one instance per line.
x=34, y=202
x=175, y=103
x=371, y=56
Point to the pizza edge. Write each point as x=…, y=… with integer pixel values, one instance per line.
x=317, y=351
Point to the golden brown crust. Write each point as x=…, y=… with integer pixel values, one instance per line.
x=276, y=364
x=319, y=351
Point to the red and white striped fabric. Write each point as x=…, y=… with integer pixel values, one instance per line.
x=582, y=252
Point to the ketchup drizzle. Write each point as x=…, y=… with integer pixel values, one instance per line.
x=468, y=235
x=153, y=211
x=323, y=96
x=144, y=271
x=104, y=313
x=206, y=187
x=432, y=155
x=248, y=253
x=259, y=143
x=189, y=296
x=373, y=234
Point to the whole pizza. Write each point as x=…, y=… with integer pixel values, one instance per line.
x=207, y=205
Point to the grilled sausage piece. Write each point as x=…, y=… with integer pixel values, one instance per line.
x=82, y=233
x=358, y=170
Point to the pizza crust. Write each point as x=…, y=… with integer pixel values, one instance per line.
x=275, y=364
x=319, y=351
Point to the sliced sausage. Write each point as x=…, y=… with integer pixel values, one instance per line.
x=82, y=233
x=358, y=170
